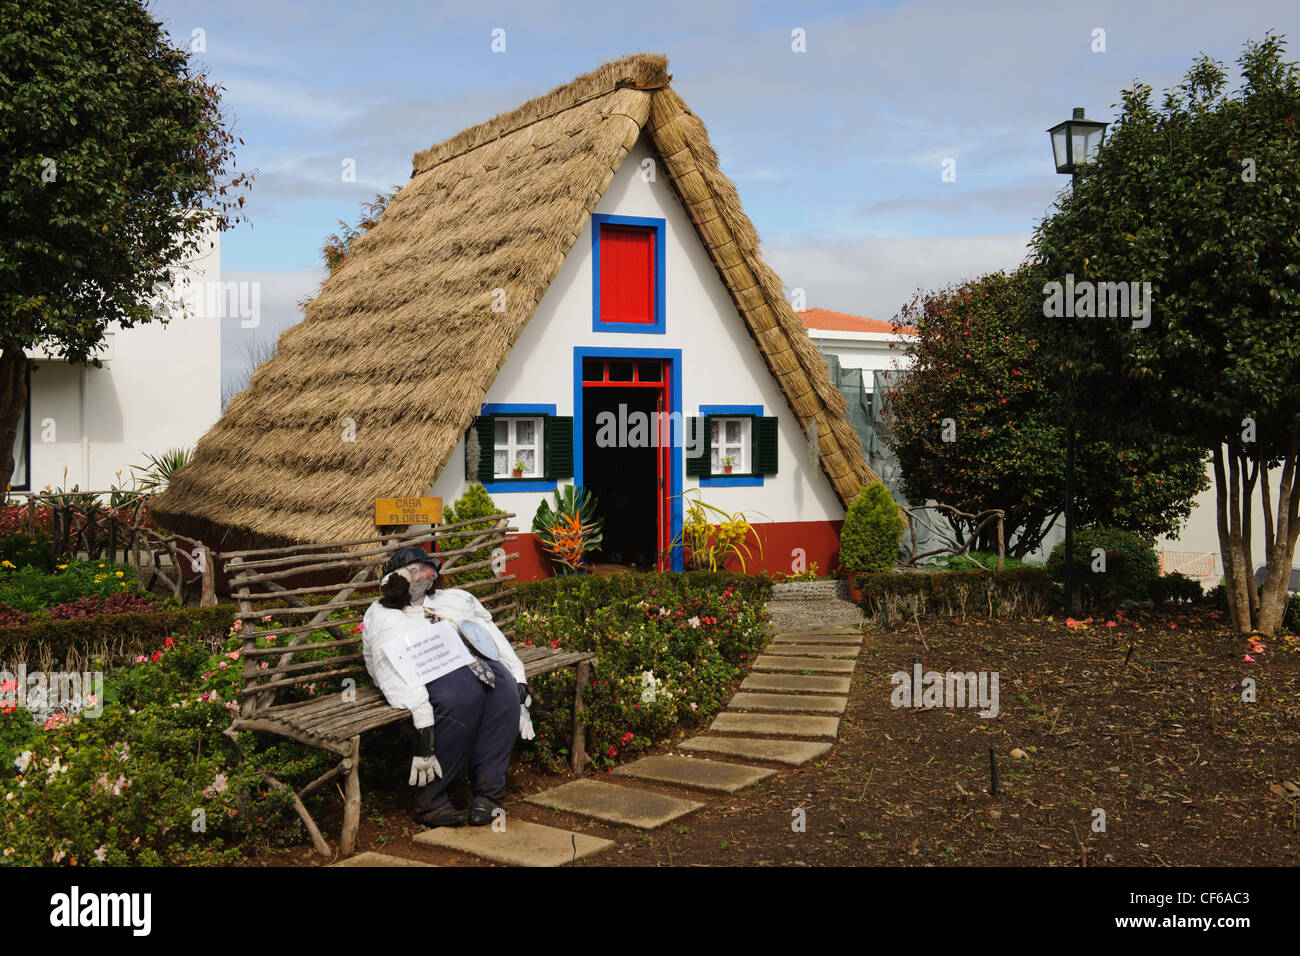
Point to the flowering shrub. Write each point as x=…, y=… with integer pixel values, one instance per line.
x=669, y=650
x=31, y=589
x=113, y=604
x=152, y=781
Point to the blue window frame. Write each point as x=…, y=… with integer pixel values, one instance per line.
x=730, y=481
x=519, y=484
x=675, y=409
x=659, y=226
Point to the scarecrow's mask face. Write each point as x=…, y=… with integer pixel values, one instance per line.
x=422, y=579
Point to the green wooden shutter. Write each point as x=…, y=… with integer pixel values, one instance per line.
x=764, y=433
x=698, y=467
x=558, y=437
x=481, y=431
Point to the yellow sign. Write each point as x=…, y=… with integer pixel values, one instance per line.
x=399, y=511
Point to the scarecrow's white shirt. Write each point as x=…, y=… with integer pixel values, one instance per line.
x=379, y=626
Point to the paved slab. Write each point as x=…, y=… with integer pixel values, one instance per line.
x=845, y=651
x=692, y=772
x=627, y=806
x=784, y=725
x=792, y=752
x=794, y=637
x=788, y=703
x=519, y=844
x=371, y=858
x=815, y=631
x=783, y=662
x=796, y=683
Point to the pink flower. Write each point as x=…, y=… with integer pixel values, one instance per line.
x=1248, y=659
x=233, y=655
x=1112, y=624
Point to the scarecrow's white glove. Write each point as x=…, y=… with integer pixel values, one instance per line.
x=525, y=720
x=424, y=765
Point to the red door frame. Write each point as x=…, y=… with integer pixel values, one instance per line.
x=663, y=447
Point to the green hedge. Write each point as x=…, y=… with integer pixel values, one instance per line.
x=111, y=637
x=1012, y=592
x=1130, y=570
x=592, y=591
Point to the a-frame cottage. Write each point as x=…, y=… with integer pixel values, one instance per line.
x=544, y=283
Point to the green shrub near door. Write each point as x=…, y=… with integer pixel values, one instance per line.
x=869, y=537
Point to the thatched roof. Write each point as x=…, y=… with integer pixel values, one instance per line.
x=402, y=338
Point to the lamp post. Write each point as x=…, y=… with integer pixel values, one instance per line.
x=1074, y=145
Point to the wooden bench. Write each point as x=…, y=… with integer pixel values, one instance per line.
x=334, y=721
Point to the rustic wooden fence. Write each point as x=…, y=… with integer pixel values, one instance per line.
x=952, y=545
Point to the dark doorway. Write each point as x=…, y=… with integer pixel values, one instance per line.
x=623, y=478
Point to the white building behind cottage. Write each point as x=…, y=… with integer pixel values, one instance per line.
x=159, y=387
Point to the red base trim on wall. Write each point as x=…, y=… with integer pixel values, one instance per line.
x=819, y=541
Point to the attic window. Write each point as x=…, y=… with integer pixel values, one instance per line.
x=628, y=274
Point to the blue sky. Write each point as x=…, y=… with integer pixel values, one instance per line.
x=837, y=152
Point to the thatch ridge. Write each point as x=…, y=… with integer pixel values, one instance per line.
x=368, y=396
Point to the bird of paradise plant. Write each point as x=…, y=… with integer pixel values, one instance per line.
x=570, y=529
x=712, y=546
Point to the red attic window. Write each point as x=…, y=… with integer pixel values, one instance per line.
x=627, y=274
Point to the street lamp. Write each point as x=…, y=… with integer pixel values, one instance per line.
x=1074, y=145
x=1075, y=142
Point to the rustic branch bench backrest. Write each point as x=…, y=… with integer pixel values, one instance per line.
x=275, y=583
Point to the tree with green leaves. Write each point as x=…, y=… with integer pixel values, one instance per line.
x=115, y=160
x=977, y=423
x=1200, y=198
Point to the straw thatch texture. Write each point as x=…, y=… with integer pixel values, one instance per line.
x=403, y=343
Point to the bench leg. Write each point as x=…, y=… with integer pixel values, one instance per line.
x=578, y=750
x=352, y=801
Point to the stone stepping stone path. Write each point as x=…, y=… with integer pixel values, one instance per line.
x=625, y=806
x=774, y=662
x=699, y=774
x=786, y=703
x=790, y=699
x=841, y=651
x=796, y=683
x=792, y=752
x=782, y=725
x=520, y=843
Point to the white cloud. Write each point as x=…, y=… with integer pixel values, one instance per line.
x=877, y=277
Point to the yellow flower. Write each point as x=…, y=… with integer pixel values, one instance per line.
x=118, y=573
x=8, y=564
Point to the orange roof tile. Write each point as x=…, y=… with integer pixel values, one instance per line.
x=826, y=320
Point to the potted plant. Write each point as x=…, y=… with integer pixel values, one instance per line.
x=727, y=463
x=519, y=469
x=569, y=529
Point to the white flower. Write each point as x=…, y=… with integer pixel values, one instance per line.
x=101, y=853
x=219, y=783
x=22, y=760
x=693, y=621
x=693, y=707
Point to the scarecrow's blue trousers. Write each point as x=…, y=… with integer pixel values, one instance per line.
x=474, y=728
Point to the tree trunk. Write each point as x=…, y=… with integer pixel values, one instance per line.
x=1279, y=544
x=1228, y=518
x=13, y=400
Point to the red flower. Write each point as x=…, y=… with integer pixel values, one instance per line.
x=612, y=751
x=626, y=737
x=157, y=655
